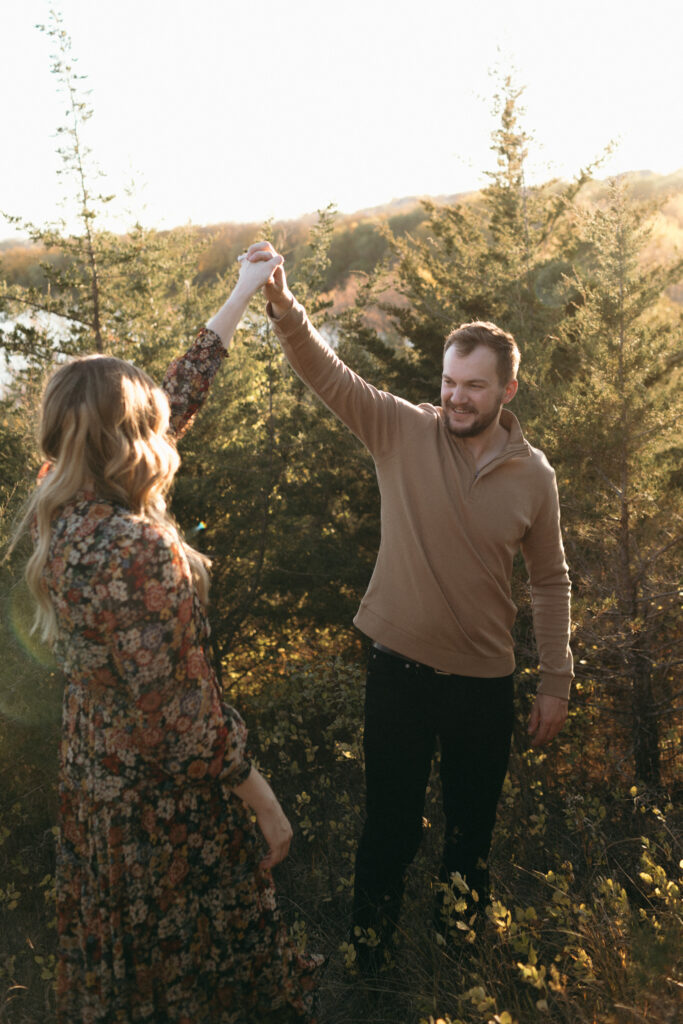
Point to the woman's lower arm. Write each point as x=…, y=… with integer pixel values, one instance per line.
x=277, y=832
x=224, y=323
x=256, y=793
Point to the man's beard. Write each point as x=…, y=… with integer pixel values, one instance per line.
x=478, y=425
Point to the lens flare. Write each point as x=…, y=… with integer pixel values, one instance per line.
x=30, y=689
x=21, y=612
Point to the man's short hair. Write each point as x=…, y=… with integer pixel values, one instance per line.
x=467, y=337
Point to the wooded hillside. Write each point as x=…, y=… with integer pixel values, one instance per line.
x=358, y=241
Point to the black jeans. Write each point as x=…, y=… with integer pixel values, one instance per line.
x=408, y=708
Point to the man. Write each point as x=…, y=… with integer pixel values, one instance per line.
x=462, y=491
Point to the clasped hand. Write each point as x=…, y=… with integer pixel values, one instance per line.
x=275, y=286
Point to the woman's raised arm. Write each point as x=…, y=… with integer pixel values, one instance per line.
x=189, y=377
x=253, y=275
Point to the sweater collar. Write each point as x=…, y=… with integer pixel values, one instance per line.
x=517, y=444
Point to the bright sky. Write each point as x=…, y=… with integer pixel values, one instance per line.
x=222, y=110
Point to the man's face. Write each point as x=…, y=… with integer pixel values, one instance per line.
x=471, y=393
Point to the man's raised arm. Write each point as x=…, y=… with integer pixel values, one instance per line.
x=371, y=414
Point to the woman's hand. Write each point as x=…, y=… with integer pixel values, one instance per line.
x=276, y=830
x=277, y=833
x=257, y=270
x=275, y=288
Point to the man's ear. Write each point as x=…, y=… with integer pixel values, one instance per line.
x=510, y=391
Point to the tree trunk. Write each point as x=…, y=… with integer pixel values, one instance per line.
x=645, y=725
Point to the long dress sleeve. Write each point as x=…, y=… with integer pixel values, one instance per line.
x=157, y=639
x=188, y=378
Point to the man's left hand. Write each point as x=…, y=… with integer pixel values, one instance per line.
x=548, y=715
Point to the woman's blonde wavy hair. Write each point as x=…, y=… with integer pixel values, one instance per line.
x=103, y=427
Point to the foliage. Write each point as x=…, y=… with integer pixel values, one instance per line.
x=132, y=295
x=587, y=916
x=30, y=697
x=616, y=429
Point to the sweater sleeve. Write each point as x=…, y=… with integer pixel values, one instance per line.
x=372, y=415
x=550, y=595
x=177, y=721
x=188, y=378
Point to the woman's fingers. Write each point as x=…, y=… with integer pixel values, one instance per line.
x=258, y=271
x=259, y=256
x=260, y=251
x=276, y=831
x=275, y=855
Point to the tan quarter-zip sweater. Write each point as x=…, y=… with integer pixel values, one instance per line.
x=440, y=590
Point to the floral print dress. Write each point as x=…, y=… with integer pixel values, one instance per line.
x=162, y=913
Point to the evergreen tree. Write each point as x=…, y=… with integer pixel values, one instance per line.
x=498, y=256
x=72, y=287
x=263, y=455
x=616, y=435
x=284, y=491
x=131, y=295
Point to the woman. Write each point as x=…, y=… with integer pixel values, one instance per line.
x=166, y=910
